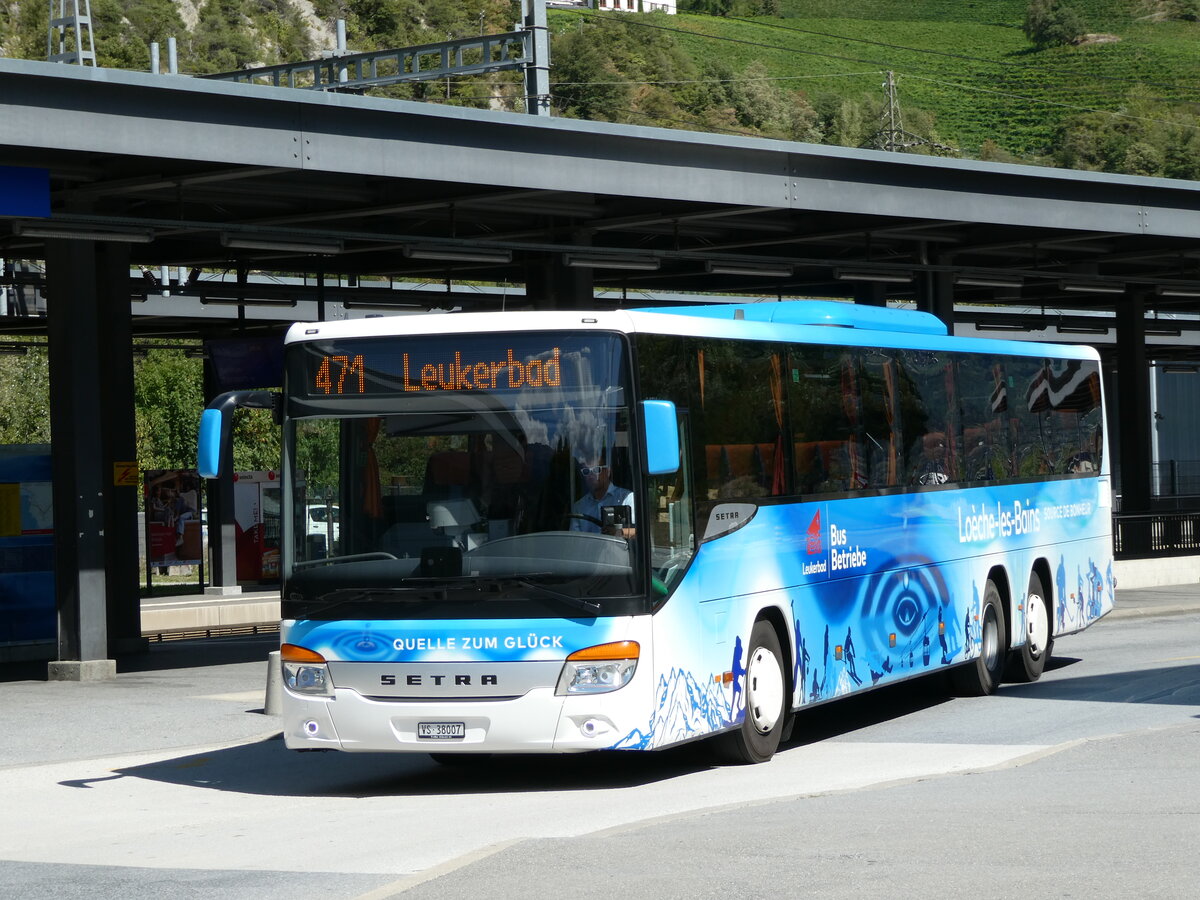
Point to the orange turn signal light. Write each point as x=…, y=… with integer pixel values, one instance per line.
x=297, y=654
x=615, y=650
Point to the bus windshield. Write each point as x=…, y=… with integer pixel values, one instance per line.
x=479, y=476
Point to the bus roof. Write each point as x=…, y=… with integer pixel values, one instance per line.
x=818, y=312
x=794, y=321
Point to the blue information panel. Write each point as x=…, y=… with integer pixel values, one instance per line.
x=24, y=192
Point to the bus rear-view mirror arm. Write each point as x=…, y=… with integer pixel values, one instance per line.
x=216, y=422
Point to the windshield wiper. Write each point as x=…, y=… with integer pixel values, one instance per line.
x=590, y=606
x=338, y=560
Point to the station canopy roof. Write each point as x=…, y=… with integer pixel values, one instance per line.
x=395, y=204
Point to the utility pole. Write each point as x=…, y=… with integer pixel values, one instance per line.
x=537, y=69
x=69, y=36
x=891, y=134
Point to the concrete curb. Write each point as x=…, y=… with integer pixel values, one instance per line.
x=1150, y=612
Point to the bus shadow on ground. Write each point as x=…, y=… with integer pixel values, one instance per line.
x=267, y=767
x=1173, y=686
x=857, y=711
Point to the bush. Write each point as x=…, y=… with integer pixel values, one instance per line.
x=1049, y=23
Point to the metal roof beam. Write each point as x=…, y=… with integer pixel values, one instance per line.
x=143, y=185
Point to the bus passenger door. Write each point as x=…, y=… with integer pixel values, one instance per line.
x=670, y=505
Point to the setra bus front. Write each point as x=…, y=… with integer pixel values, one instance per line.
x=485, y=589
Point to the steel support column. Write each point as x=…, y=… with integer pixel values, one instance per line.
x=118, y=451
x=222, y=530
x=83, y=295
x=870, y=293
x=936, y=295
x=1133, y=386
x=552, y=285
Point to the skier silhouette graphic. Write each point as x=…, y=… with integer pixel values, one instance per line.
x=737, y=701
x=848, y=654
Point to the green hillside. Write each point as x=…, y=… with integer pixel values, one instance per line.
x=1123, y=98
x=970, y=64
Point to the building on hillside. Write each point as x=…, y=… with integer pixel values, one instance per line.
x=666, y=6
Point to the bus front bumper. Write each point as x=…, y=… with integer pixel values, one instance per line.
x=538, y=722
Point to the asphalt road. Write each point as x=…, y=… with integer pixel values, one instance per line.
x=1084, y=784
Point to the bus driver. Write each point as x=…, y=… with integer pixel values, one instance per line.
x=587, y=513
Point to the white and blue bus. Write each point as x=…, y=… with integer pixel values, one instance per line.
x=567, y=531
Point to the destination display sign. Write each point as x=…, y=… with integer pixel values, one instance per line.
x=456, y=364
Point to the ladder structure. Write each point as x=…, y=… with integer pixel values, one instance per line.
x=69, y=37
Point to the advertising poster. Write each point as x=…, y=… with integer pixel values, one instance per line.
x=174, y=531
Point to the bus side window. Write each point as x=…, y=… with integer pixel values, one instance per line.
x=925, y=401
x=985, y=398
x=740, y=419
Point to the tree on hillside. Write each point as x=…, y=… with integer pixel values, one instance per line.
x=123, y=30
x=1147, y=137
x=25, y=397
x=587, y=84
x=1188, y=10
x=733, y=7
x=168, y=398
x=1052, y=23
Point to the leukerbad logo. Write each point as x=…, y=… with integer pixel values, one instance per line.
x=814, y=535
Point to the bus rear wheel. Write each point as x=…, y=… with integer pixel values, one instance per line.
x=1027, y=663
x=982, y=675
x=765, y=693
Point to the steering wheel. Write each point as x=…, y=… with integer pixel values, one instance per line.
x=585, y=518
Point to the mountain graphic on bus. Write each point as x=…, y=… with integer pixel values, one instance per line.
x=686, y=709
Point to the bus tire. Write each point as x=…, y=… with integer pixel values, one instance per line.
x=981, y=676
x=1027, y=662
x=765, y=690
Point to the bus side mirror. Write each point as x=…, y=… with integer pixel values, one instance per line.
x=662, y=437
x=214, y=432
x=216, y=421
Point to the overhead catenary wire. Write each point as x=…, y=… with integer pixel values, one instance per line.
x=872, y=74
x=945, y=53
x=626, y=20
x=1074, y=106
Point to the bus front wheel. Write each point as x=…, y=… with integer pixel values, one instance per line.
x=982, y=675
x=1027, y=663
x=765, y=693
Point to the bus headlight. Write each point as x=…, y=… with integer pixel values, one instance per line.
x=599, y=669
x=305, y=671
